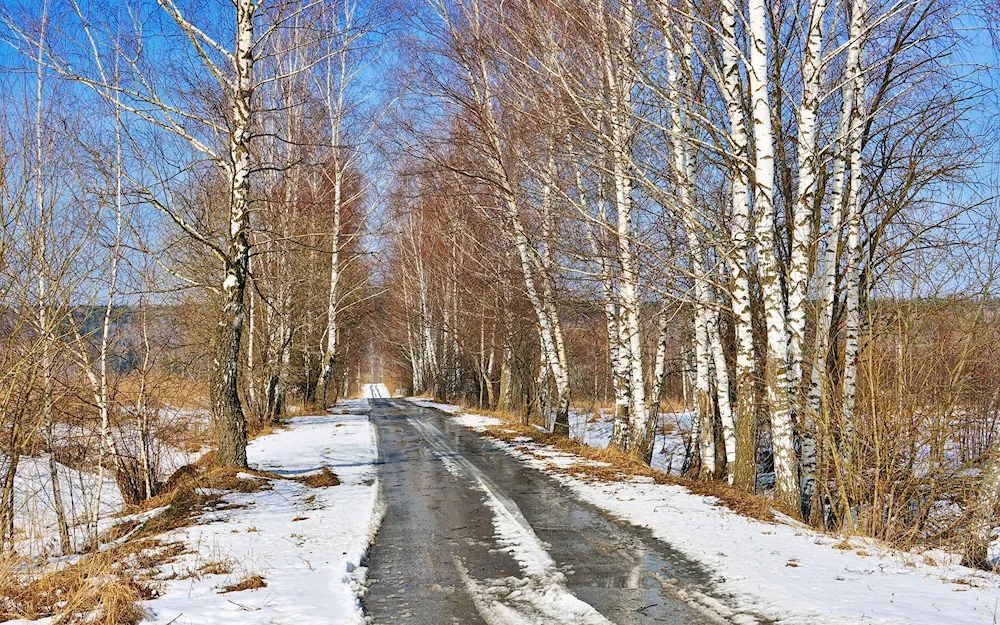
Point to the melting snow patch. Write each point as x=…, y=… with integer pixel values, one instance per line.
x=306, y=543
x=426, y=403
x=476, y=422
x=785, y=572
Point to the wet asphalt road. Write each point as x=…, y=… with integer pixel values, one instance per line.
x=437, y=548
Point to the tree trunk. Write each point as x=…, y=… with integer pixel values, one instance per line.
x=801, y=243
x=852, y=272
x=7, y=494
x=227, y=410
x=776, y=365
x=659, y=375
x=724, y=402
x=743, y=473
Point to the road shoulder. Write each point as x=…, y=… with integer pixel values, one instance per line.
x=289, y=552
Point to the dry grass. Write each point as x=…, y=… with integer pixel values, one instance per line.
x=305, y=408
x=610, y=465
x=170, y=389
x=250, y=582
x=118, y=531
x=322, y=479
x=102, y=588
x=217, y=567
x=192, y=492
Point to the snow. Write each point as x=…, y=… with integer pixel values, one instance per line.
x=592, y=428
x=476, y=422
x=376, y=391
x=539, y=596
x=786, y=572
x=307, y=543
x=449, y=408
x=35, y=516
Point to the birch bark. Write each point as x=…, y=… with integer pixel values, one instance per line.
x=724, y=400
x=744, y=471
x=852, y=271
x=678, y=69
x=819, y=396
x=659, y=375
x=227, y=410
x=45, y=306
x=776, y=365
x=798, y=271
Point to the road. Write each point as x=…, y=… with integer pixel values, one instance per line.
x=472, y=536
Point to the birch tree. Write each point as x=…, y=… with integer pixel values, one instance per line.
x=232, y=71
x=467, y=49
x=744, y=470
x=776, y=367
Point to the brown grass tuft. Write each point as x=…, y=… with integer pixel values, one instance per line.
x=322, y=479
x=251, y=582
x=218, y=567
x=195, y=489
x=103, y=588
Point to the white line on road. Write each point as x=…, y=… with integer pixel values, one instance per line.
x=539, y=598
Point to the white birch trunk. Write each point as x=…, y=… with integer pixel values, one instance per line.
x=744, y=471
x=616, y=349
x=776, y=366
x=678, y=68
x=721, y=368
x=703, y=394
x=333, y=300
x=819, y=390
x=798, y=271
x=142, y=407
x=44, y=304
x=659, y=372
x=547, y=280
x=107, y=442
x=693, y=459
x=227, y=409
x=852, y=273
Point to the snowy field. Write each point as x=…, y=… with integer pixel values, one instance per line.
x=785, y=572
x=594, y=429
x=35, y=517
x=306, y=543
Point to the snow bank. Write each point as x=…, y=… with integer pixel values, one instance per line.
x=306, y=543
x=788, y=573
x=592, y=429
x=476, y=422
x=449, y=408
x=35, y=514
